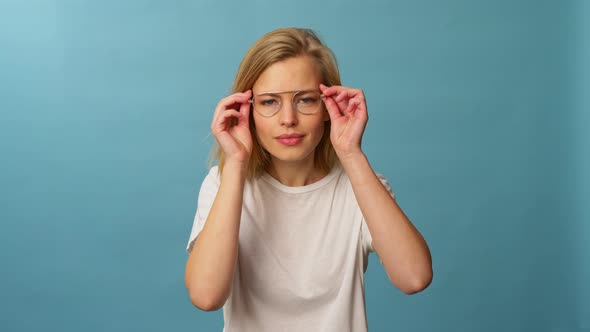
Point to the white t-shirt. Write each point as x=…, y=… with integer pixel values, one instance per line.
x=302, y=255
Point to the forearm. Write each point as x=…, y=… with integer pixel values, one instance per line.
x=212, y=262
x=401, y=248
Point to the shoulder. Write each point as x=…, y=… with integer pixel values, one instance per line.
x=212, y=179
x=345, y=180
x=213, y=172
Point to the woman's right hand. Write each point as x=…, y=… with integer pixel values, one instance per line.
x=234, y=138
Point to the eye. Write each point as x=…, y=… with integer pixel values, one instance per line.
x=307, y=100
x=268, y=102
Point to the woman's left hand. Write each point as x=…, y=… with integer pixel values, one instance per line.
x=348, y=112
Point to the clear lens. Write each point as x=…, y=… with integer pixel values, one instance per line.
x=267, y=105
x=305, y=102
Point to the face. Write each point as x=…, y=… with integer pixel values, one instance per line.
x=304, y=130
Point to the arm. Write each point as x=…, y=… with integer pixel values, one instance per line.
x=402, y=250
x=211, y=265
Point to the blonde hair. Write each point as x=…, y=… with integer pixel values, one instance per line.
x=276, y=46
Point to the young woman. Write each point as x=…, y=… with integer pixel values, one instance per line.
x=286, y=220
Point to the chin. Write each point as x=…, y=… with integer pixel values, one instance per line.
x=297, y=153
x=291, y=156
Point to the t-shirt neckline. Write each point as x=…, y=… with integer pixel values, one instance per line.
x=334, y=171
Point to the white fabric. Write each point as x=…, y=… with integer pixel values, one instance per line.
x=302, y=255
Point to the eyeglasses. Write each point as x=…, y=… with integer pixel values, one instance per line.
x=268, y=104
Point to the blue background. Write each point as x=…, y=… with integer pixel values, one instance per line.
x=479, y=118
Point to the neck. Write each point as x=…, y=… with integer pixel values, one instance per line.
x=295, y=174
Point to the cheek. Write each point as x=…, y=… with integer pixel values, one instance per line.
x=262, y=130
x=319, y=125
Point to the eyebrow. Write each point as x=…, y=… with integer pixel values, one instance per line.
x=279, y=92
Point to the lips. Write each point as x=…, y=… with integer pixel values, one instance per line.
x=290, y=136
x=290, y=139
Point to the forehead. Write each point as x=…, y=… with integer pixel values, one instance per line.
x=300, y=73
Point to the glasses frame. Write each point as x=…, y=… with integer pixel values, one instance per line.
x=295, y=93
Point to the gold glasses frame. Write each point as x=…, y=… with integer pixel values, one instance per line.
x=294, y=92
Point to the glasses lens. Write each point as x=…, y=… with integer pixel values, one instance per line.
x=266, y=105
x=307, y=102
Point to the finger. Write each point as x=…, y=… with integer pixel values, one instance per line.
x=332, y=108
x=341, y=95
x=245, y=111
x=349, y=94
x=231, y=101
x=223, y=120
x=342, y=103
x=231, y=118
x=352, y=106
x=330, y=91
x=227, y=119
x=246, y=107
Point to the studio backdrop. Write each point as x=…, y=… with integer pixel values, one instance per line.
x=478, y=117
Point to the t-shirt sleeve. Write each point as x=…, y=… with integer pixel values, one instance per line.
x=365, y=234
x=207, y=194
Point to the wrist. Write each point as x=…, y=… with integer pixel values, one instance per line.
x=236, y=167
x=350, y=156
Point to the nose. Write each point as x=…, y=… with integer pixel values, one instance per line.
x=288, y=115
